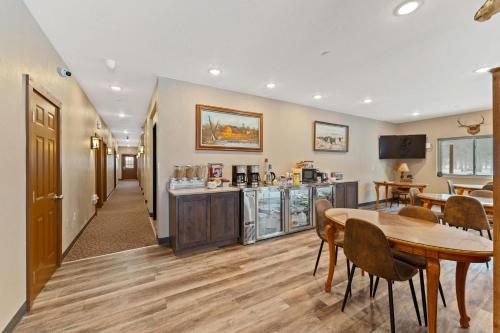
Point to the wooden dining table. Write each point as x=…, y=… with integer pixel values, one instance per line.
x=464, y=188
x=389, y=184
x=439, y=199
x=432, y=240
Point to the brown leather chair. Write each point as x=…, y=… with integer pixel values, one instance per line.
x=451, y=187
x=481, y=194
x=418, y=261
x=366, y=246
x=488, y=186
x=321, y=206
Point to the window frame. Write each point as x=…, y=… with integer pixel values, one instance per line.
x=473, y=138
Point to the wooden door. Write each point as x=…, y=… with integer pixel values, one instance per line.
x=223, y=217
x=193, y=221
x=105, y=172
x=129, y=167
x=155, y=175
x=99, y=163
x=43, y=178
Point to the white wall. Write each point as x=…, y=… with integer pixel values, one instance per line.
x=288, y=135
x=425, y=170
x=26, y=50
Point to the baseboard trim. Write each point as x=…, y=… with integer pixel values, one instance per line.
x=370, y=203
x=163, y=240
x=78, y=235
x=16, y=319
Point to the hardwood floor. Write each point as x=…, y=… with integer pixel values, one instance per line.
x=266, y=287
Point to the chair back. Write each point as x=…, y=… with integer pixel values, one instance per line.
x=481, y=194
x=466, y=212
x=367, y=247
x=451, y=187
x=321, y=206
x=488, y=186
x=414, y=200
x=418, y=213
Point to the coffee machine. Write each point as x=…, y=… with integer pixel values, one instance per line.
x=239, y=175
x=253, y=175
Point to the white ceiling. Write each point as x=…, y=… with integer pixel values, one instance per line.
x=421, y=62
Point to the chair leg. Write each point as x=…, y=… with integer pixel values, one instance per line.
x=375, y=287
x=422, y=291
x=348, y=270
x=489, y=234
x=348, y=289
x=415, y=303
x=481, y=233
x=371, y=284
x=442, y=294
x=336, y=254
x=319, y=256
x=391, y=306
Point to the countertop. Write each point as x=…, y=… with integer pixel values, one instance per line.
x=203, y=190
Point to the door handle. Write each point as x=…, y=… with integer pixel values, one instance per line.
x=58, y=197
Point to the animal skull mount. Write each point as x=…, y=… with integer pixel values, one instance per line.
x=490, y=8
x=472, y=129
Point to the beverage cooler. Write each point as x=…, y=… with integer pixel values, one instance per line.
x=270, y=212
x=299, y=207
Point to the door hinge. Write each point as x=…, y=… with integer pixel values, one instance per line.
x=33, y=116
x=34, y=196
x=34, y=277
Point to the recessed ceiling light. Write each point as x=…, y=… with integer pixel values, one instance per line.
x=121, y=115
x=483, y=70
x=215, y=71
x=271, y=85
x=125, y=131
x=317, y=96
x=110, y=63
x=115, y=88
x=415, y=114
x=367, y=100
x=407, y=7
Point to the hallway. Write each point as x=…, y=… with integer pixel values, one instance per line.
x=121, y=224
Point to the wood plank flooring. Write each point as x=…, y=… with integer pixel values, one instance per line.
x=266, y=287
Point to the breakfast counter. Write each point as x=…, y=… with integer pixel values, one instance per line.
x=203, y=190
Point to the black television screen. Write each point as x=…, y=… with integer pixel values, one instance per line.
x=402, y=146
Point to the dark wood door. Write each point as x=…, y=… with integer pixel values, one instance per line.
x=99, y=174
x=340, y=193
x=351, y=195
x=44, y=248
x=155, y=175
x=193, y=216
x=105, y=172
x=223, y=217
x=129, y=167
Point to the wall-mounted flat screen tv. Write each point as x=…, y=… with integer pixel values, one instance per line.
x=402, y=146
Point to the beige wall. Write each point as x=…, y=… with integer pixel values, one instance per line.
x=287, y=138
x=26, y=50
x=446, y=127
x=151, y=120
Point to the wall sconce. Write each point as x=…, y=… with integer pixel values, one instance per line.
x=110, y=151
x=94, y=142
x=141, y=149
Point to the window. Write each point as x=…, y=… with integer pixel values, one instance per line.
x=129, y=162
x=468, y=156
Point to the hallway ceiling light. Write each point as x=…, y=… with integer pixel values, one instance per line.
x=317, y=96
x=368, y=100
x=214, y=71
x=116, y=88
x=415, y=114
x=125, y=131
x=121, y=115
x=483, y=70
x=407, y=7
x=110, y=63
x=271, y=85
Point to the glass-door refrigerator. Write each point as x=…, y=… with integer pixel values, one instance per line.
x=270, y=212
x=325, y=192
x=299, y=208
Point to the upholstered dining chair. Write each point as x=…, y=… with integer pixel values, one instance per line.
x=451, y=187
x=468, y=213
x=414, y=200
x=488, y=186
x=321, y=206
x=366, y=246
x=481, y=194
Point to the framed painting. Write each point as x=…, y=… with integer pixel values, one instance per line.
x=331, y=137
x=225, y=129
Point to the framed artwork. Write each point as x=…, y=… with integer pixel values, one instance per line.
x=331, y=137
x=225, y=129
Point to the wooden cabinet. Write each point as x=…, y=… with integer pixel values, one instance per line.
x=346, y=195
x=203, y=220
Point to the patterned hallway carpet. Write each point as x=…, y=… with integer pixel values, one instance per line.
x=121, y=224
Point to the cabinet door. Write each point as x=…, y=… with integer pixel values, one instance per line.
x=351, y=195
x=340, y=193
x=193, y=227
x=224, y=217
